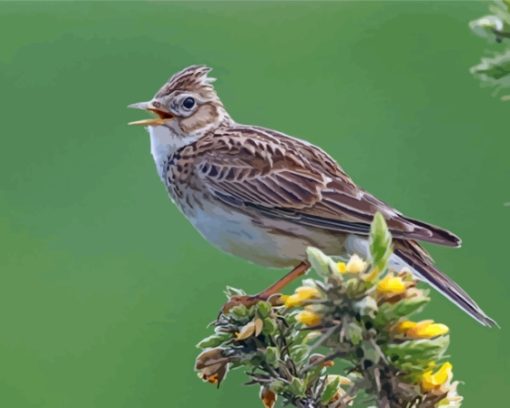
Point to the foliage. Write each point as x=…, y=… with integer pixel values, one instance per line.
x=494, y=70
x=355, y=314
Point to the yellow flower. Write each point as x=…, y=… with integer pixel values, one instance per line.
x=355, y=265
x=282, y=299
x=307, y=292
x=433, y=380
x=308, y=318
x=429, y=330
x=425, y=329
x=302, y=294
x=293, y=301
x=406, y=325
x=391, y=285
x=342, y=267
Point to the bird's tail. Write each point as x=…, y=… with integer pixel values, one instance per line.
x=413, y=255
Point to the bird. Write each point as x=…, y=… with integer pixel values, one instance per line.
x=265, y=196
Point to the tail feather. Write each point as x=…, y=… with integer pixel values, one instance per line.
x=438, y=235
x=413, y=255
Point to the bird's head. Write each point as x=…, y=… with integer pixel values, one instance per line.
x=187, y=104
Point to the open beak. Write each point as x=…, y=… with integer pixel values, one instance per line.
x=160, y=115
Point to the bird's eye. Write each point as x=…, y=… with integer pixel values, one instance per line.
x=189, y=102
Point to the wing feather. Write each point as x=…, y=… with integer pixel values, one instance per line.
x=287, y=178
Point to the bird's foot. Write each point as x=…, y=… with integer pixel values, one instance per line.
x=245, y=300
x=271, y=293
x=249, y=300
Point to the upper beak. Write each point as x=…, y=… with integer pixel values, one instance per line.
x=162, y=114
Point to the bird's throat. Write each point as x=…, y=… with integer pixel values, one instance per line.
x=164, y=143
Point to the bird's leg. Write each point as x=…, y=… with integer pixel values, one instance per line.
x=248, y=301
x=290, y=277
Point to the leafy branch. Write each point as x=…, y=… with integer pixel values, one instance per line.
x=495, y=69
x=343, y=337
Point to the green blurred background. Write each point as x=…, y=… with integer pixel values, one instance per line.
x=105, y=288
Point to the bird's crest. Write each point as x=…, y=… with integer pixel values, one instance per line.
x=193, y=78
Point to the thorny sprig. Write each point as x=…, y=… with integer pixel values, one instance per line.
x=356, y=313
x=494, y=70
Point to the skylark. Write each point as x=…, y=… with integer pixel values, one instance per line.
x=265, y=196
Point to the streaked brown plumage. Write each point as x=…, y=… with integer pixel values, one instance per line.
x=265, y=196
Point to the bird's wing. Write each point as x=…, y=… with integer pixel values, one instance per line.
x=287, y=178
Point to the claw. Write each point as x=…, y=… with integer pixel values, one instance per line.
x=247, y=301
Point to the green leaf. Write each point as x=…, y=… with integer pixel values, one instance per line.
x=495, y=69
x=314, y=373
x=355, y=287
x=321, y=263
x=263, y=309
x=214, y=340
x=270, y=326
x=277, y=386
x=354, y=333
x=239, y=312
x=380, y=242
x=299, y=352
x=272, y=356
x=417, y=352
x=330, y=390
x=297, y=387
x=391, y=312
x=299, y=337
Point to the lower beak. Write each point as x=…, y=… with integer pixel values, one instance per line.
x=148, y=122
x=161, y=115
